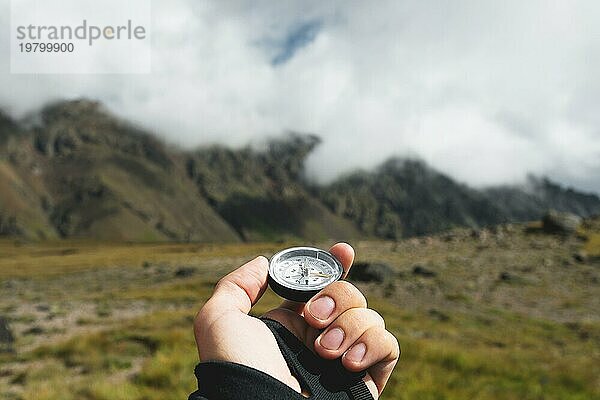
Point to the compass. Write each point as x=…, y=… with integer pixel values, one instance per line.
x=298, y=273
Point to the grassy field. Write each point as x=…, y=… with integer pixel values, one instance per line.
x=504, y=314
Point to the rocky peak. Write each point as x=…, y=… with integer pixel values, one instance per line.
x=289, y=153
x=84, y=126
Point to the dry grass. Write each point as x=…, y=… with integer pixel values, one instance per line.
x=125, y=316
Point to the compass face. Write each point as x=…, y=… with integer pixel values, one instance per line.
x=305, y=268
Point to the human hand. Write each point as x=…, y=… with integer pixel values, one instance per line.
x=334, y=323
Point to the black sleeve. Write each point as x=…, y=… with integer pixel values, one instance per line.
x=226, y=380
x=323, y=379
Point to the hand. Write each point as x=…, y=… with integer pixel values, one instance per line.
x=335, y=323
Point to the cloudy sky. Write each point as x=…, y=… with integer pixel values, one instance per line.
x=483, y=91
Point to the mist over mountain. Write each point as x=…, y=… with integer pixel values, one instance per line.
x=79, y=172
x=505, y=87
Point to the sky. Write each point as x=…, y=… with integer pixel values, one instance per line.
x=484, y=91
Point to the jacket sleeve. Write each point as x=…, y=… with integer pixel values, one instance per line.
x=230, y=381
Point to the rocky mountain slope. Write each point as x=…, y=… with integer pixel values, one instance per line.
x=82, y=173
x=530, y=201
x=74, y=170
x=406, y=198
x=261, y=193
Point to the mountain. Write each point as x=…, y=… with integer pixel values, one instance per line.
x=531, y=200
x=73, y=170
x=262, y=194
x=82, y=173
x=406, y=198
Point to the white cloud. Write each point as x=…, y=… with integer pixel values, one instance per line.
x=484, y=91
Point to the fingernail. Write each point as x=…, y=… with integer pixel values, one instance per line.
x=321, y=308
x=357, y=352
x=333, y=339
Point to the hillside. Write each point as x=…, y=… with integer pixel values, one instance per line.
x=406, y=198
x=73, y=170
x=81, y=173
x=530, y=201
x=261, y=193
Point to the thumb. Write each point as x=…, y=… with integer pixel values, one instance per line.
x=241, y=289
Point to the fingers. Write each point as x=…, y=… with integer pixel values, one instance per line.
x=240, y=289
x=331, y=302
x=352, y=331
x=377, y=351
x=345, y=330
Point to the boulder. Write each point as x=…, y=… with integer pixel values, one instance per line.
x=371, y=272
x=581, y=256
x=185, y=272
x=439, y=315
x=34, y=330
x=422, y=271
x=506, y=276
x=560, y=222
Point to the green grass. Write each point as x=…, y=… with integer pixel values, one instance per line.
x=89, y=366
x=119, y=322
x=508, y=358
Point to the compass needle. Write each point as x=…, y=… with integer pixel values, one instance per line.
x=321, y=275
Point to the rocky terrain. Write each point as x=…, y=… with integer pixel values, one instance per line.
x=75, y=171
x=506, y=312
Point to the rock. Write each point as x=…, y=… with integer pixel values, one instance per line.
x=422, y=271
x=439, y=315
x=506, y=276
x=34, y=330
x=7, y=339
x=480, y=234
x=536, y=244
x=185, y=272
x=42, y=307
x=449, y=237
x=581, y=256
x=371, y=272
x=560, y=222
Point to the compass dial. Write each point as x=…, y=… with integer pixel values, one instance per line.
x=300, y=272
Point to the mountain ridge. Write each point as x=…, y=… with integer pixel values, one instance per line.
x=79, y=171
